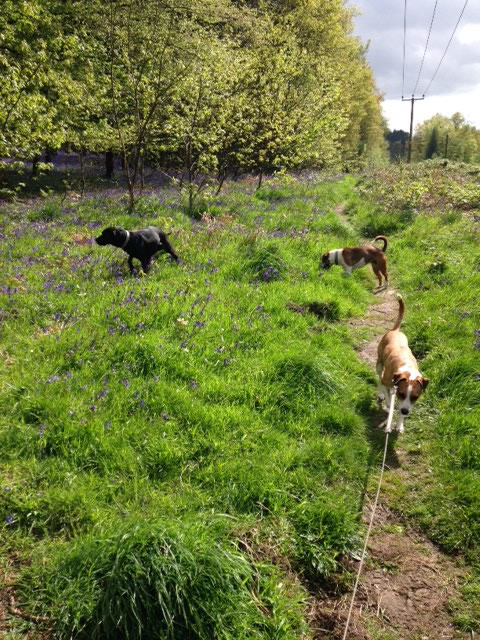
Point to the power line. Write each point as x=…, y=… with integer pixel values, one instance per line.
x=404, y=40
x=446, y=48
x=426, y=46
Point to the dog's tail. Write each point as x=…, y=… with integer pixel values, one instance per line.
x=401, y=312
x=384, y=248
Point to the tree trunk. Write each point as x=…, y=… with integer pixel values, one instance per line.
x=109, y=165
x=142, y=173
x=260, y=178
x=82, y=173
x=35, y=161
x=48, y=156
x=220, y=183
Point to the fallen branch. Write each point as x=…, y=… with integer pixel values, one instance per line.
x=15, y=611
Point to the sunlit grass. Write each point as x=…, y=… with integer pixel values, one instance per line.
x=147, y=408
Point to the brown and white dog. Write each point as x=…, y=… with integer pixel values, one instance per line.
x=353, y=258
x=396, y=366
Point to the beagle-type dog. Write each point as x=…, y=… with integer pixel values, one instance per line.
x=353, y=258
x=397, y=367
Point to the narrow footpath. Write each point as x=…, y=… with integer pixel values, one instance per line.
x=407, y=583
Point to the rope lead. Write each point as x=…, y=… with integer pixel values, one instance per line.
x=357, y=580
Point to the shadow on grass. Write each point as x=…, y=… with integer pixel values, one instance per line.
x=376, y=439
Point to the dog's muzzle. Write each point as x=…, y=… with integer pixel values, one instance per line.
x=100, y=241
x=326, y=265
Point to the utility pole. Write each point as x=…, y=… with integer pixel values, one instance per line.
x=412, y=100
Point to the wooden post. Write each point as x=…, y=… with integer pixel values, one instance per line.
x=412, y=100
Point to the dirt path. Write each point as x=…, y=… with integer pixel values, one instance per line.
x=407, y=582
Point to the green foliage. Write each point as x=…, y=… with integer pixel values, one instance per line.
x=435, y=259
x=203, y=90
x=155, y=580
x=443, y=137
x=136, y=410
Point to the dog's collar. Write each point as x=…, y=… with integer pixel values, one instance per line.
x=126, y=240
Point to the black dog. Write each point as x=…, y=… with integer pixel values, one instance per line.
x=142, y=244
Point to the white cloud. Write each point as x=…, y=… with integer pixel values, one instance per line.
x=398, y=112
x=468, y=34
x=456, y=87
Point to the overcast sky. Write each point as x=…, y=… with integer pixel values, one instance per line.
x=456, y=86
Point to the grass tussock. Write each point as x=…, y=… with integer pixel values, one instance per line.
x=137, y=413
x=183, y=455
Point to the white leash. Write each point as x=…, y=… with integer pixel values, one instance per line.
x=357, y=580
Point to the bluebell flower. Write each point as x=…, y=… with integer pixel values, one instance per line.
x=53, y=379
x=165, y=417
x=10, y=518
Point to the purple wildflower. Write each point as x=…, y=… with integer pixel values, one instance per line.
x=126, y=383
x=270, y=273
x=53, y=379
x=41, y=429
x=10, y=518
x=107, y=425
x=93, y=408
x=165, y=417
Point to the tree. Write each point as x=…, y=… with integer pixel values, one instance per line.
x=431, y=149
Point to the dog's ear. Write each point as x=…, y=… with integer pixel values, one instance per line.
x=424, y=382
x=397, y=377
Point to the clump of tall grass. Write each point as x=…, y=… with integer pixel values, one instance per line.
x=145, y=580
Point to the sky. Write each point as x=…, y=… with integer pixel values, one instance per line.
x=456, y=87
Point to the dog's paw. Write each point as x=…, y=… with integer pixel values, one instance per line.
x=400, y=428
x=383, y=425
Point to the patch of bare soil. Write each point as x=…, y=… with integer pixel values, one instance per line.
x=380, y=317
x=406, y=582
x=403, y=592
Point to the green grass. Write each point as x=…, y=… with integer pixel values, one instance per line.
x=182, y=454
x=149, y=425
x=435, y=258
